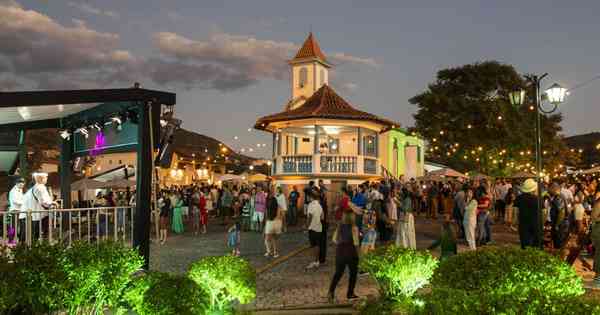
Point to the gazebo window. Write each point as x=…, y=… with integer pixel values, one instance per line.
x=303, y=77
x=370, y=144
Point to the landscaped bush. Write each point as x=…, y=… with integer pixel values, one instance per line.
x=226, y=279
x=9, y=285
x=399, y=272
x=39, y=279
x=159, y=293
x=451, y=301
x=503, y=280
x=98, y=275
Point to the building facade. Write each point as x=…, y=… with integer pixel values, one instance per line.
x=319, y=135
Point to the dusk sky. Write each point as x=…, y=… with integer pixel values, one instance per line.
x=226, y=60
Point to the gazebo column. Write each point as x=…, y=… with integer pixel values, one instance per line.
x=66, y=171
x=141, y=229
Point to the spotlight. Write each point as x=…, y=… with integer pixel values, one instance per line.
x=83, y=131
x=117, y=122
x=65, y=134
x=97, y=126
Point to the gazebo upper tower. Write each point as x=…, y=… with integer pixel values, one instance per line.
x=310, y=71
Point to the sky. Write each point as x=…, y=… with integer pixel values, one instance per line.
x=226, y=60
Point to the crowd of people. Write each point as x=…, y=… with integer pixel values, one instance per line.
x=372, y=214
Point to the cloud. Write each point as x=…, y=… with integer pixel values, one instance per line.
x=40, y=52
x=88, y=9
x=349, y=86
x=342, y=58
x=9, y=84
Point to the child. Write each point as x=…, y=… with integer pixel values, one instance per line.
x=369, y=233
x=234, y=238
x=447, y=241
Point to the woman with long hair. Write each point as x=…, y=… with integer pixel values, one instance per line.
x=272, y=226
x=347, y=240
x=177, y=224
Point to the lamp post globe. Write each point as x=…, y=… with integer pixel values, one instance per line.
x=556, y=94
x=517, y=98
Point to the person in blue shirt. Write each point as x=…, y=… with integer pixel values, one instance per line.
x=360, y=200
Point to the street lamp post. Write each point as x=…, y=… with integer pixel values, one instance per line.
x=555, y=95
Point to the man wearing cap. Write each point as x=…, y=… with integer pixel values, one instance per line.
x=15, y=199
x=530, y=222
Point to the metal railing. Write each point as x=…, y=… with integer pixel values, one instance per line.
x=68, y=225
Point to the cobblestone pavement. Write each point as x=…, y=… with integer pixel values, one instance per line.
x=286, y=284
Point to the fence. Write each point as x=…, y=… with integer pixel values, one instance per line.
x=69, y=225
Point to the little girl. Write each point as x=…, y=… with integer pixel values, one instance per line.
x=234, y=238
x=369, y=234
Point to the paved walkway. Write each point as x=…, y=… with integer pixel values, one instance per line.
x=284, y=283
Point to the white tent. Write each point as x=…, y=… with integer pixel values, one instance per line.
x=230, y=177
x=119, y=183
x=87, y=184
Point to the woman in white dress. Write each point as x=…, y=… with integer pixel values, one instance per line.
x=470, y=219
x=406, y=221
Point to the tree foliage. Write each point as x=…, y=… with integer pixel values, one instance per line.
x=470, y=124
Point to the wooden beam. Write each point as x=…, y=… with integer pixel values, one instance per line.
x=41, y=98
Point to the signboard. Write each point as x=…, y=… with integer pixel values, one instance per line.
x=109, y=137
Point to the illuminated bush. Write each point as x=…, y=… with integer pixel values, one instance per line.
x=502, y=280
x=399, y=272
x=10, y=285
x=444, y=301
x=40, y=280
x=98, y=275
x=159, y=293
x=226, y=279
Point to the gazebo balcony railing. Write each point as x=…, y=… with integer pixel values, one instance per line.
x=338, y=164
x=297, y=164
x=331, y=164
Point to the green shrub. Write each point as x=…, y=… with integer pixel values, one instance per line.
x=41, y=279
x=452, y=301
x=159, y=293
x=508, y=270
x=98, y=274
x=399, y=272
x=10, y=285
x=502, y=280
x=226, y=279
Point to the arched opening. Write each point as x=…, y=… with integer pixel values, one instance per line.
x=303, y=77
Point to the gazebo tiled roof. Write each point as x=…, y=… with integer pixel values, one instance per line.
x=310, y=49
x=325, y=104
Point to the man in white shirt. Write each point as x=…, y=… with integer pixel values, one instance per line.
x=38, y=199
x=314, y=227
x=282, y=204
x=15, y=200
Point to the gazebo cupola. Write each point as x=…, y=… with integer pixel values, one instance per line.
x=310, y=70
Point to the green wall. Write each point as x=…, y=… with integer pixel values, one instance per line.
x=403, y=139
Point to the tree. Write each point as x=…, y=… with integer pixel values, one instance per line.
x=470, y=124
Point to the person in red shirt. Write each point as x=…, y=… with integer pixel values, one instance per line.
x=343, y=205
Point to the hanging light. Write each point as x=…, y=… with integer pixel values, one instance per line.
x=556, y=94
x=517, y=98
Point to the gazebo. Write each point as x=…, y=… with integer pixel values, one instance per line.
x=82, y=116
